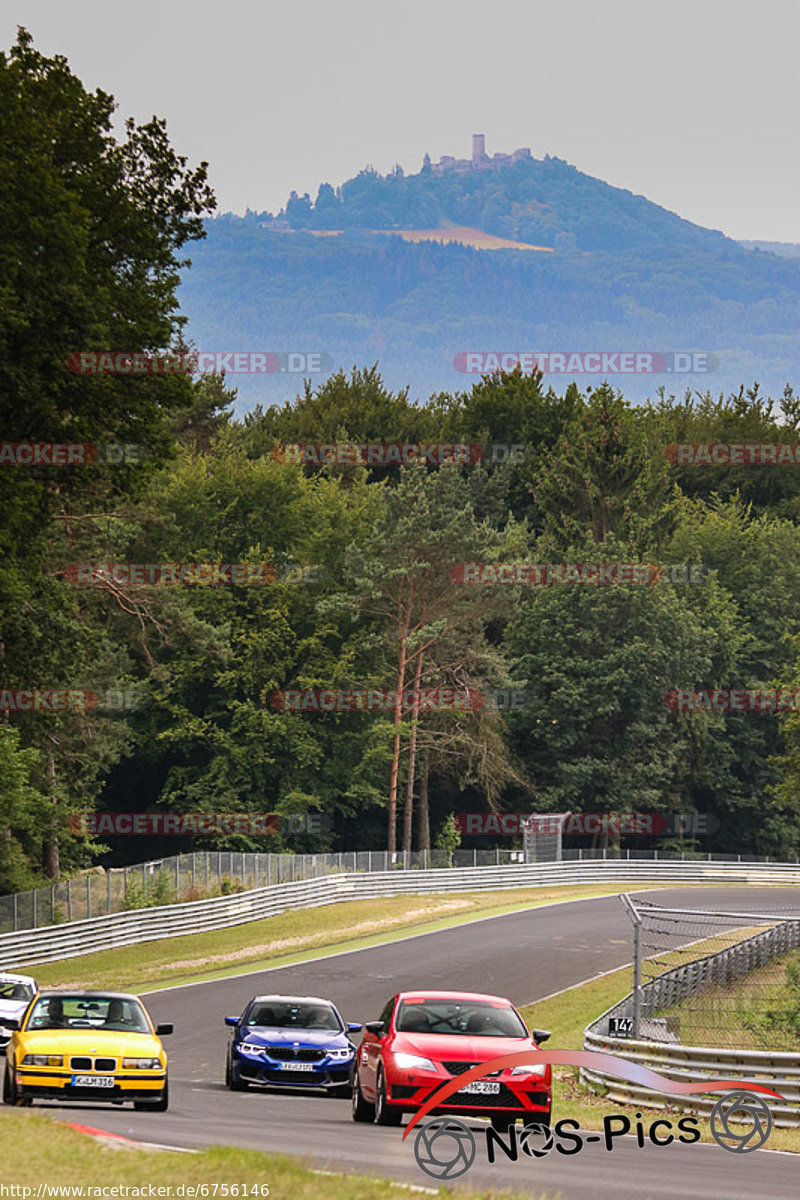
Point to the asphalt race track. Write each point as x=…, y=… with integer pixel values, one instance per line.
x=525, y=956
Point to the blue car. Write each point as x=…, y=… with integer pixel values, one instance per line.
x=291, y=1041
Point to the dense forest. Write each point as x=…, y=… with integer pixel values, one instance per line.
x=366, y=588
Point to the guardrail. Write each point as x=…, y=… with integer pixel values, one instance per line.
x=55, y=942
x=209, y=872
x=779, y=1070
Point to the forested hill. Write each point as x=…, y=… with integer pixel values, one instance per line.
x=544, y=202
x=619, y=274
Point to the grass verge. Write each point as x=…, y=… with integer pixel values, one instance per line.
x=38, y=1150
x=566, y=1016
x=296, y=936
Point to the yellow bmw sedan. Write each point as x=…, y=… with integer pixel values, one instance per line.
x=96, y=1046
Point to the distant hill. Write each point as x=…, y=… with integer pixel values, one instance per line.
x=624, y=275
x=782, y=249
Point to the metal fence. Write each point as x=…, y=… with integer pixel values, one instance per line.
x=126, y=928
x=734, y=1003
x=211, y=873
x=715, y=978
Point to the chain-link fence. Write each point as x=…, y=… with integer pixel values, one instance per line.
x=209, y=873
x=219, y=872
x=713, y=978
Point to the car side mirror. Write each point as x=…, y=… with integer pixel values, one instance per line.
x=354, y=1026
x=10, y=1022
x=163, y=1030
x=375, y=1027
x=541, y=1035
x=231, y=1020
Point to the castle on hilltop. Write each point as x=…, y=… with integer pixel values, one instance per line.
x=480, y=161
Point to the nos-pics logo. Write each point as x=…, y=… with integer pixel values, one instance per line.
x=445, y=1148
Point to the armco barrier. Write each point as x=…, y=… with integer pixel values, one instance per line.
x=777, y=1070
x=55, y=942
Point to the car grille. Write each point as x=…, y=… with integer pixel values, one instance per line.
x=98, y=1064
x=458, y=1068
x=289, y=1076
x=291, y=1054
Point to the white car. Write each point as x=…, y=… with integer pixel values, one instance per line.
x=16, y=993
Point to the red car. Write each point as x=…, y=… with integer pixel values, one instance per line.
x=425, y=1038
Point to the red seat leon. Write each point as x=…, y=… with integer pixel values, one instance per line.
x=425, y=1038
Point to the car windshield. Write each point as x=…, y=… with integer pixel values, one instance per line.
x=481, y=1018
x=15, y=991
x=95, y=1012
x=278, y=1014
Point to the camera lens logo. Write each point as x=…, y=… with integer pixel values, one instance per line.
x=536, y=1139
x=445, y=1148
x=738, y=1108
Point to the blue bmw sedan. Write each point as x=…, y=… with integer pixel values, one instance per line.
x=291, y=1041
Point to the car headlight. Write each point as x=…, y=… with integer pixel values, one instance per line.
x=43, y=1060
x=533, y=1069
x=251, y=1048
x=406, y=1061
x=142, y=1064
x=345, y=1052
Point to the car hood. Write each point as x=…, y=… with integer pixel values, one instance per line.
x=91, y=1041
x=459, y=1047
x=264, y=1036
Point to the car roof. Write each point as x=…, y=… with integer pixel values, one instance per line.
x=7, y=977
x=86, y=995
x=292, y=999
x=426, y=994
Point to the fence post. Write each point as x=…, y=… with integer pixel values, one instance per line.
x=69, y=897
x=88, y=895
x=369, y=860
x=177, y=872
x=34, y=908
x=194, y=867
x=108, y=890
x=474, y=858
x=637, y=961
x=15, y=912
x=53, y=905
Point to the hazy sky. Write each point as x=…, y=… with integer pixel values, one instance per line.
x=692, y=103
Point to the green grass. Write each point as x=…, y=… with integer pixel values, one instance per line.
x=566, y=1016
x=296, y=936
x=758, y=1012
x=38, y=1150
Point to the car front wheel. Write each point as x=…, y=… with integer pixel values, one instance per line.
x=384, y=1115
x=233, y=1081
x=362, y=1111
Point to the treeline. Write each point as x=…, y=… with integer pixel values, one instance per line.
x=359, y=297
x=546, y=202
x=366, y=590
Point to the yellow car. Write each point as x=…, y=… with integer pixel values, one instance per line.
x=86, y=1046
